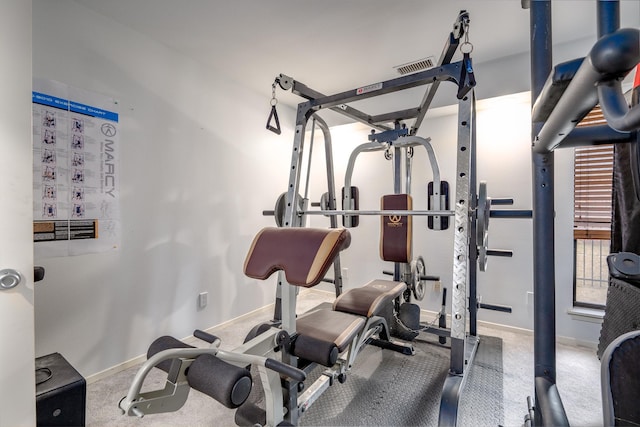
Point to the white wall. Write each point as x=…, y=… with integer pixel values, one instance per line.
x=198, y=168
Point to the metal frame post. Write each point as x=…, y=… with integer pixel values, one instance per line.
x=608, y=16
x=331, y=195
x=397, y=189
x=287, y=292
x=548, y=405
x=473, y=239
x=547, y=135
x=463, y=346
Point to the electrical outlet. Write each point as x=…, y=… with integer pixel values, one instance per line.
x=345, y=277
x=203, y=299
x=437, y=286
x=529, y=298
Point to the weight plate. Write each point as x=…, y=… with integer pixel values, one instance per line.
x=281, y=208
x=483, y=212
x=419, y=285
x=258, y=329
x=324, y=202
x=482, y=254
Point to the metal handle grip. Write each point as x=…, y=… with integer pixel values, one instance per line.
x=284, y=369
x=205, y=336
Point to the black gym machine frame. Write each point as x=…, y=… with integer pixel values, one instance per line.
x=561, y=99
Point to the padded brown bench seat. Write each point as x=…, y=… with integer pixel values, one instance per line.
x=330, y=326
x=369, y=299
x=323, y=334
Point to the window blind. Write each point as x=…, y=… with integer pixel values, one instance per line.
x=593, y=175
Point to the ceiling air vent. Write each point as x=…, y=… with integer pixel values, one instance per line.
x=414, y=66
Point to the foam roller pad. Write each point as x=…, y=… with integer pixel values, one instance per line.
x=315, y=350
x=164, y=343
x=226, y=383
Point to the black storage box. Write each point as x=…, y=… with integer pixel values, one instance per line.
x=60, y=393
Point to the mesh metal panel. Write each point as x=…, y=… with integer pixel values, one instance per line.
x=621, y=312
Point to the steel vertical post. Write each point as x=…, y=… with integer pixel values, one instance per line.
x=331, y=196
x=543, y=203
x=608, y=17
x=473, y=241
x=397, y=189
x=548, y=405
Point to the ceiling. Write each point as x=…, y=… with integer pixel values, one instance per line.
x=337, y=45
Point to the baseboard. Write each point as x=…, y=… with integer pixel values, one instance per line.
x=517, y=330
x=141, y=358
x=116, y=369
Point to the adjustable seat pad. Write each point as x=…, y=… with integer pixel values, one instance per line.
x=330, y=327
x=369, y=299
x=304, y=254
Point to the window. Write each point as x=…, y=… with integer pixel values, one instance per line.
x=593, y=175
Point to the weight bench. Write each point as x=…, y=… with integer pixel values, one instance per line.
x=356, y=315
x=331, y=337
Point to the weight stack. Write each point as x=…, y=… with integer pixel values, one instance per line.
x=621, y=314
x=60, y=393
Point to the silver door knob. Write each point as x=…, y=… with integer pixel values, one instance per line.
x=9, y=279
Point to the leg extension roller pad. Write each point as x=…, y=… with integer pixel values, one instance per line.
x=226, y=383
x=164, y=343
x=316, y=350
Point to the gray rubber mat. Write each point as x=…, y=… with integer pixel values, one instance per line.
x=483, y=400
x=386, y=388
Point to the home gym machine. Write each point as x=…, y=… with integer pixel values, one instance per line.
x=471, y=214
x=561, y=98
x=286, y=350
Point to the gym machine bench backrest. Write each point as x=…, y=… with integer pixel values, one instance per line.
x=304, y=254
x=395, y=230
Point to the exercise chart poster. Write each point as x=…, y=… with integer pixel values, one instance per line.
x=75, y=170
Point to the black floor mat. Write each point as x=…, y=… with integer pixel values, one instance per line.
x=386, y=388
